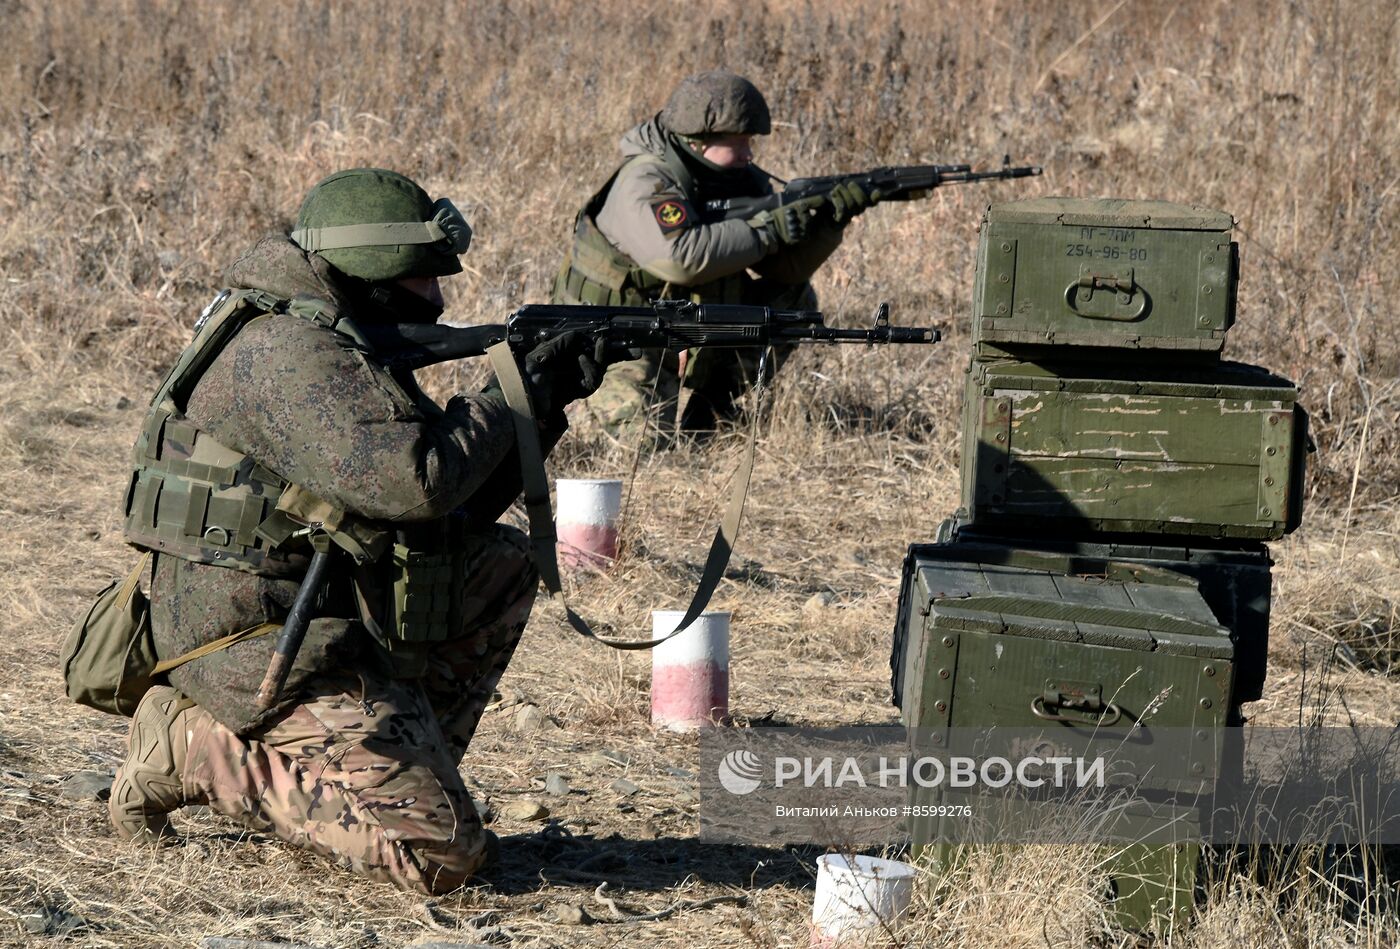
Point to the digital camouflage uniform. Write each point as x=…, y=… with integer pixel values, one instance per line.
x=360, y=760
x=642, y=236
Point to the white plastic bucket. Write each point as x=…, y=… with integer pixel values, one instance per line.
x=586, y=520
x=690, y=674
x=858, y=899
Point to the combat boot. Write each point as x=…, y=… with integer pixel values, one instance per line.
x=150, y=784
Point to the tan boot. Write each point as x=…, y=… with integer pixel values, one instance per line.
x=150, y=783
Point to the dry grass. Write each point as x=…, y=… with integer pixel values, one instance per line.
x=144, y=143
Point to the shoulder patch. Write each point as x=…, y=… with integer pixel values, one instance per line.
x=672, y=214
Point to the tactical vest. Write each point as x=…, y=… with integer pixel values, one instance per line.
x=596, y=272
x=192, y=497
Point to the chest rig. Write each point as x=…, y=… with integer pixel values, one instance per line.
x=193, y=497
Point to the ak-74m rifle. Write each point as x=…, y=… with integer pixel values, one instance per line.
x=665, y=324
x=895, y=183
x=662, y=325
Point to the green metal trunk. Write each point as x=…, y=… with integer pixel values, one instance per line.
x=1215, y=451
x=1104, y=272
x=991, y=635
x=1233, y=578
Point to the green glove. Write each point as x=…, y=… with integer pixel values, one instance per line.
x=787, y=224
x=849, y=199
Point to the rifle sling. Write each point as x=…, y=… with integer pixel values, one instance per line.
x=542, y=536
x=223, y=642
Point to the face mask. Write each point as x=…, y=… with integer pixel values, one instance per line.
x=391, y=303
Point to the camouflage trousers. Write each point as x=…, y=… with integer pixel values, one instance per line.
x=366, y=770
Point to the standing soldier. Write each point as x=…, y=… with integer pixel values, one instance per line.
x=280, y=432
x=644, y=236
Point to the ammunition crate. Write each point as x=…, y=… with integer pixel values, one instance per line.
x=1214, y=451
x=985, y=638
x=1103, y=272
x=983, y=627
x=1233, y=579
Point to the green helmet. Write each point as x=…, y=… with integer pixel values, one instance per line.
x=378, y=225
x=716, y=103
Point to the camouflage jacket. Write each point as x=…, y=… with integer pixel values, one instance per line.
x=650, y=215
x=287, y=393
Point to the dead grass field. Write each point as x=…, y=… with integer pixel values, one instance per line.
x=145, y=142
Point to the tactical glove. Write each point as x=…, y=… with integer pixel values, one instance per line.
x=565, y=369
x=787, y=224
x=849, y=199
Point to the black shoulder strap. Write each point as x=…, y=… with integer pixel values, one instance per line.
x=542, y=535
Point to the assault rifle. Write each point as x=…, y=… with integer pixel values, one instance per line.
x=895, y=183
x=664, y=324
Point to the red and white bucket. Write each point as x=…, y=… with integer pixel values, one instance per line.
x=585, y=520
x=690, y=673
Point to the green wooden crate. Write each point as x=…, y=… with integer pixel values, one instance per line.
x=1104, y=272
x=984, y=634
x=1215, y=451
x=1234, y=578
x=984, y=639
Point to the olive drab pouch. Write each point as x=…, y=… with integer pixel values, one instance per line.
x=427, y=594
x=109, y=657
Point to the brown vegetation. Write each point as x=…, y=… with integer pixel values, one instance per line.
x=145, y=142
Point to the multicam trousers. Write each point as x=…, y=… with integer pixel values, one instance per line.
x=366, y=770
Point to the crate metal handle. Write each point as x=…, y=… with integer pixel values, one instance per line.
x=1103, y=717
x=1114, y=284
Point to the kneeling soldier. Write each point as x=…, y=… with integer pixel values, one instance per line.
x=645, y=236
x=278, y=433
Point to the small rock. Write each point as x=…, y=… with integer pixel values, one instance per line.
x=681, y=773
x=817, y=602
x=625, y=808
x=556, y=784
x=571, y=915
x=509, y=698
x=483, y=810
x=524, y=809
x=169, y=259
x=530, y=720
x=47, y=921
x=87, y=786
x=123, y=404
x=616, y=757
x=624, y=787
x=220, y=942
x=197, y=810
